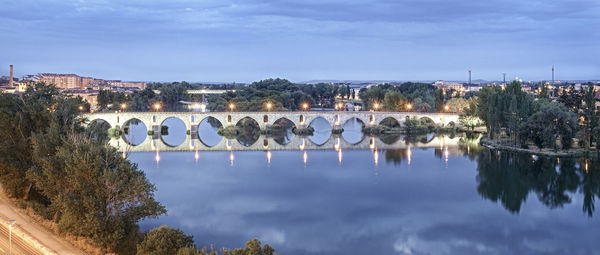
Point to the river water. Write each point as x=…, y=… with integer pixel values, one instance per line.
x=435, y=198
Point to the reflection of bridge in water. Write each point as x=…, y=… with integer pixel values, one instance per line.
x=335, y=142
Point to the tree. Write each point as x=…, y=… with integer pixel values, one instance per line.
x=590, y=119
x=457, y=104
x=552, y=122
x=166, y=240
x=394, y=101
x=439, y=100
x=103, y=198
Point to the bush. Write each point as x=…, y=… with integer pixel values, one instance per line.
x=114, y=133
x=165, y=240
x=304, y=131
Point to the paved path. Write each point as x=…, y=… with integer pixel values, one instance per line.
x=28, y=225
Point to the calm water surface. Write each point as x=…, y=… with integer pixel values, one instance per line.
x=450, y=199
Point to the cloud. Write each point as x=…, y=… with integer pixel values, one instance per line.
x=313, y=33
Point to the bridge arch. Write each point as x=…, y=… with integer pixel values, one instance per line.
x=390, y=122
x=207, y=131
x=322, y=130
x=134, y=131
x=353, y=130
x=167, y=131
x=249, y=131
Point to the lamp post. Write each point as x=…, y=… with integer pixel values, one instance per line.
x=446, y=108
x=305, y=106
x=376, y=106
x=81, y=107
x=409, y=107
x=231, y=106
x=269, y=106
x=157, y=106
x=10, y=223
x=123, y=106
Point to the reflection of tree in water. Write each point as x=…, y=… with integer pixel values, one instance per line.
x=396, y=156
x=413, y=139
x=509, y=178
x=282, y=131
x=389, y=139
x=249, y=131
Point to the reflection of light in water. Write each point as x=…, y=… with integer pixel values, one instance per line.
x=376, y=157
x=340, y=156
x=337, y=144
x=586, y=166
x=408, y=155
x=372, y=143
x=228, y=144
x=305, y=158
x=231, y=158
x=157, y=157
x=196, y=156
x=442, y=142
x=269, y=157
x=446, y=155
x=302, y=142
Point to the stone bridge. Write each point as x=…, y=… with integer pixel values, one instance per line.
x=154, y=120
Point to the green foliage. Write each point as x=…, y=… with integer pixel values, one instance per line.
x=304, y=131
x=164, y=240
x=470, y=122
x=552, y=122
x=457, y=105
x=394, y=101
x=420, y=95
x=114, y=133
x=281, y=93
x=104, y=196
x=507, y=108
x=418, y=126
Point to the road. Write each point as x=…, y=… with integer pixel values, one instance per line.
x=46, y=238
x=18, y=246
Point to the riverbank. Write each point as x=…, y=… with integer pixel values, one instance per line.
x=38, y=233
x=496, y=145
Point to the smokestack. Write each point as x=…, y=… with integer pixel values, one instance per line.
x=11, y=75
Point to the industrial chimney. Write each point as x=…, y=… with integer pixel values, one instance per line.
x=11, y=76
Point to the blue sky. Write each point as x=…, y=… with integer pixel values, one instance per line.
x=242, y=41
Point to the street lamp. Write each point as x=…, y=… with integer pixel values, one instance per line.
x=376, y=106
x=123, y=106
x=10, y=223
x=231, y=106
x=409, y=107
x=81, y=107
x=305, y=106
x=157, y=106
x=269, y=105
x=446, y=107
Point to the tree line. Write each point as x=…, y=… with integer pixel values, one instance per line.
x=516, y=116
x=68, y=173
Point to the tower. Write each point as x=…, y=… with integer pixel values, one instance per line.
x=552, y=75
x=503, y=78
x=469, y=87
x=11, y=76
